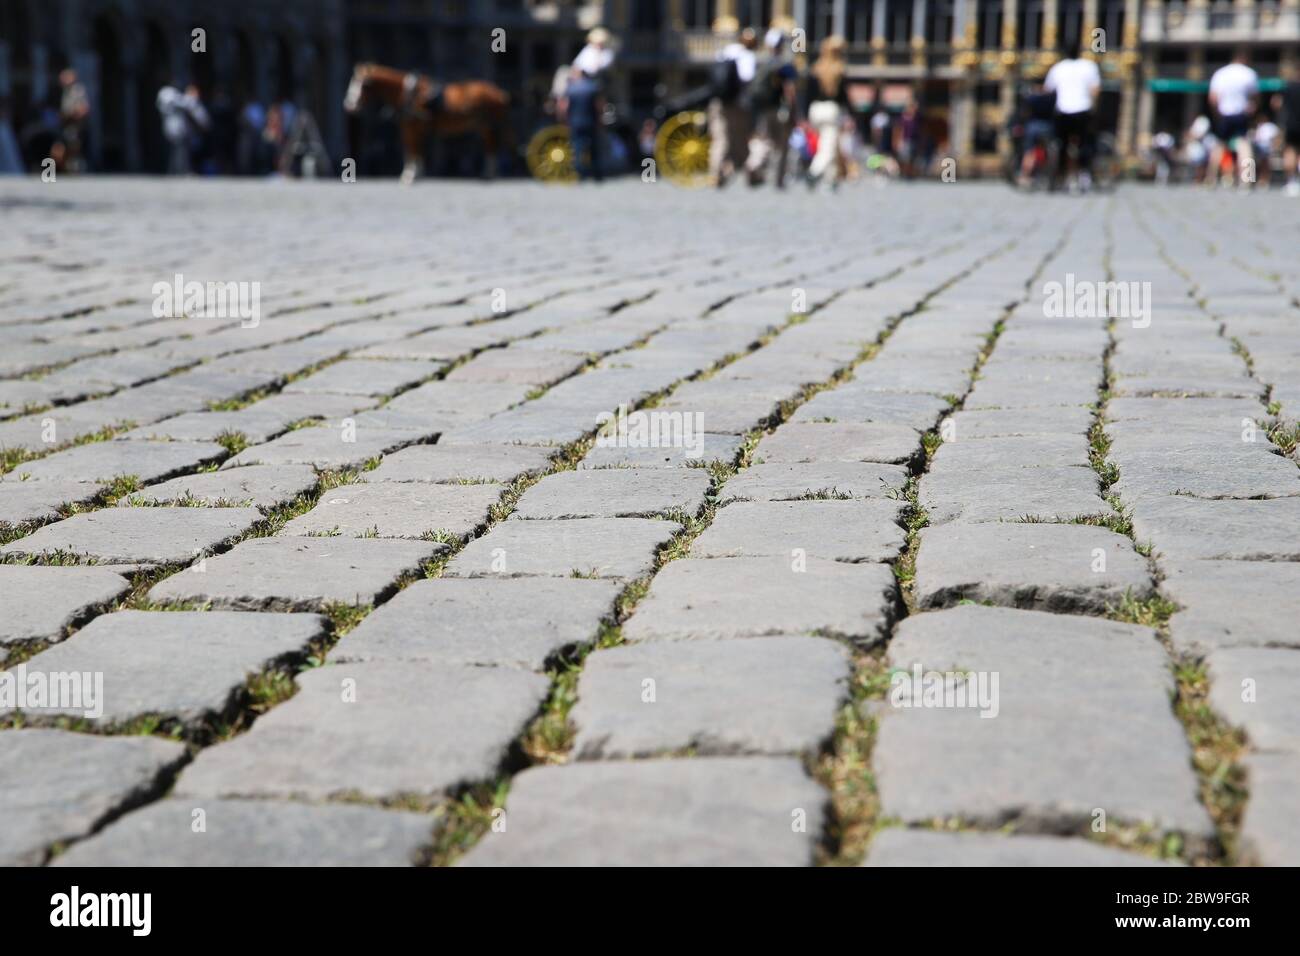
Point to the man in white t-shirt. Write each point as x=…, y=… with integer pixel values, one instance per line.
x=1233, y=90
x=1076, y=83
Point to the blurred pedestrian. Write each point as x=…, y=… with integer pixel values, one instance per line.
x=646, y=139
x=729, y=117
x=1286, y=106
x=907, y=139
x=828, y=101
x=11, y=156
x=248, y=147
x=185, y=121
x=773, y=100
x=74, y=113
x=1233, y=91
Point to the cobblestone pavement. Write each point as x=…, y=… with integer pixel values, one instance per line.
x=931, y=525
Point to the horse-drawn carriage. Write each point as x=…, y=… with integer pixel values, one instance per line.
x=681, y=150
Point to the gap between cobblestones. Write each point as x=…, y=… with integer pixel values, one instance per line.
x=275, y=685
x=845, y=768
x=1217, y=747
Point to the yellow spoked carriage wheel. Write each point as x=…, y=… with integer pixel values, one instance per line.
x=550, y=155
x=682, y=148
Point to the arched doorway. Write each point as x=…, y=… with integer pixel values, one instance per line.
x=155, y=73
x=108, y=90
x=282, y=79
x=16, y=35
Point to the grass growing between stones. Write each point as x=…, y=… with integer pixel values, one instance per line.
x=462, y=822
x=1217, y=749
x=845, y=767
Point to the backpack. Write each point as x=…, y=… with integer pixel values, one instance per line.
x=768, y=88
x=726, y=81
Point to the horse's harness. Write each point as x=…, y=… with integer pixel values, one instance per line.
x=412, y=105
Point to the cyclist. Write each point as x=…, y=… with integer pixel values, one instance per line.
x=1076, y=83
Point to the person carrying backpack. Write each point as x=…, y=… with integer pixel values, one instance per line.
x=729, y=116
x=772, y=100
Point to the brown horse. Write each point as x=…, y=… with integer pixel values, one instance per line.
x=426, y=106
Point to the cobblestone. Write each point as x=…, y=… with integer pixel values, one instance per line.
x=885, y=426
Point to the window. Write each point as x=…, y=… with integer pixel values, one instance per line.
x=939, y=21
x=988, y=25
x=699, y=13
x=647, y=15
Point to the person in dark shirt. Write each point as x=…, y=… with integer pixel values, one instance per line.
x=1040, y=126
x=773, y=98
x=584, y=104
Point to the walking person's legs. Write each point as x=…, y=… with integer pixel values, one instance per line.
x=738, y=129
x=718, y=147
x=825, y=116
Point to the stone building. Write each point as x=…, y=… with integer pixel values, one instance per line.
x=963, y=60
x=125, y=50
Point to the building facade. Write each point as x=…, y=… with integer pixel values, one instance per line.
x=124, y=51
x=964, y=61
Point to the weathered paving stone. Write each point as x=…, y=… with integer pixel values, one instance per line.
x=1233, y=604
x=703, y=448
x=835, y=479
x=517, y=622
x=532, y=423
x=454, y=464
x=364, y=377
x=847, y=404
x=256, y=833
x=1225, y=413
x=181, y=665
x=839, y=441
x=24, y=501
x=1011, y=494
x=256, y=486
x=771, y=695
x=989, y=393
x=398, y=510
x=296, y=573
x=721, y=811
x=537, y=367
x=587, y=547
x=1209, y=471
x=256, y=426
x=57, y=786
x=1007, y=422
x=903, y=847
x=844, y=530
x=981, y=455
x=615, y=493
x=706, y=599
x=138, y=535
x=1255, y=688
x=1181, y=528
x=326, y=446
x=1031, y=763
x=410, y=729
x=1270, y=828
x=102, y=461
x=1040, y=566
x=39, y=603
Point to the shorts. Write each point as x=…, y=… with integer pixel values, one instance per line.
x=1038, y=131
x=1073, y=126
x=1229, y=128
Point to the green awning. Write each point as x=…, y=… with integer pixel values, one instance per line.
x=1169, y=85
